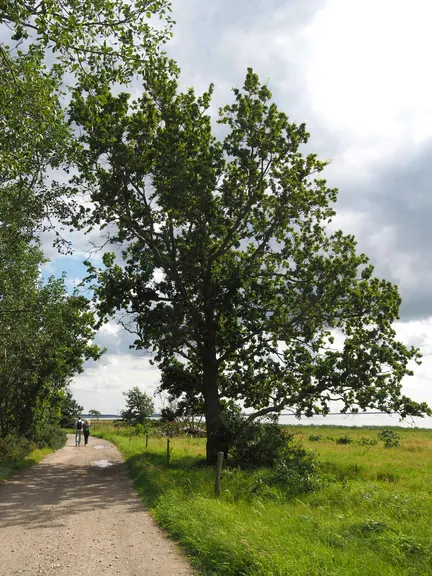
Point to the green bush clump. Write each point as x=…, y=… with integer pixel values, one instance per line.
x=13, y=448
x=315, y=437
x=253, y=443
x=139, y=429
x=368, y=441
x=50, y=436
x=344, y=439
x=390, y=438
x=297, y=470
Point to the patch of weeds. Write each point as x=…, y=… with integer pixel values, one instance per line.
x=296, y=471
x=387, y=477
x=366, y=529
x=409, y=546
x=355, y=470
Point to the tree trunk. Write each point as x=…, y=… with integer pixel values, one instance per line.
x=213, y=423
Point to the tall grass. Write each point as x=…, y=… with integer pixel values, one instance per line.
x=370, y=516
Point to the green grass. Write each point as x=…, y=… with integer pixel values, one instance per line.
x=8, y=468
x=371, y=516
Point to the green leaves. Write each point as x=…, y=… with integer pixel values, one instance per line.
x=33, y=139
x=139, y=406
x=45, y=336
x=229, y=271
x=105, y=38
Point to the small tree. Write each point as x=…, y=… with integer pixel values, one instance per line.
x=139, y=406
x=95, y=413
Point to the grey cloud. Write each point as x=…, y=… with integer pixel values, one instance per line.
x=397, y=230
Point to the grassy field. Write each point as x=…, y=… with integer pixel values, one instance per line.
x=371, y=513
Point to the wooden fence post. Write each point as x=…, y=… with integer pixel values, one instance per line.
x=168, y=451
x=219, y=473
x=146, y=440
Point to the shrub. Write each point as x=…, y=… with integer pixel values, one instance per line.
x=344, y=439
x=13, y=448
x=315, y=437
x=168, y=414
x=259, y=444
x=368, y=441
x=390, y=438
x=296, y=470
x=172, y=429
x=51, y=436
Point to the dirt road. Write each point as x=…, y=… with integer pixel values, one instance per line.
x=70, y=516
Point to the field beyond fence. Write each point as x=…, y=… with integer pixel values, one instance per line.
x=369, y=512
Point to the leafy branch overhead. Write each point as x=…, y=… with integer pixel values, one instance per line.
x=88, y=36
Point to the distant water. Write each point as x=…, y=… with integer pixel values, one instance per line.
x=331, y=420
x=359, y=420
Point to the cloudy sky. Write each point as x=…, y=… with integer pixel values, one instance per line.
x=357, y=72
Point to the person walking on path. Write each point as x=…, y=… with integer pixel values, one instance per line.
x=86, y=429
x=78, y=431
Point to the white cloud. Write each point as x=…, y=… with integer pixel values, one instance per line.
x=100, y=387
x=366, y=74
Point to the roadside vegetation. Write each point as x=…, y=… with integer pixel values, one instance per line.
x=366, y=512
x=17, y=454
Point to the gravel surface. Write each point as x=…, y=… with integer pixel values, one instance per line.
x=76, y=513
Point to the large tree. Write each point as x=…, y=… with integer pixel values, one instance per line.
x=229, y=270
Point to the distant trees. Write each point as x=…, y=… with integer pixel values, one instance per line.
x=70, y=409
x=95, y=413
x=139, y=406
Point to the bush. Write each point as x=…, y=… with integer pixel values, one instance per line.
x=260, y=444
x=168, y=414
x=13, y=448
x=50, y=437
x=139, y=430
x=296, y=470
x=172, y=429
x=390, y=438
x=315, y=437
x=368, y=441
x=344, y=440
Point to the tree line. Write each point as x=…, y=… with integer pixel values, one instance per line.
x=228, y=270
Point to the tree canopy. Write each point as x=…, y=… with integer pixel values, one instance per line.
x=45, y=332
x=45, y=337
x=139, y=406
x=229, y=271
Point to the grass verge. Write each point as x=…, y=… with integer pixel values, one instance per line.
x=370, y=516
x=8, y=468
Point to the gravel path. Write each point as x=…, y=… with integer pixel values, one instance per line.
x=69, y=515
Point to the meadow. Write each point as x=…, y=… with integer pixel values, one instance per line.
x=369, y=513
